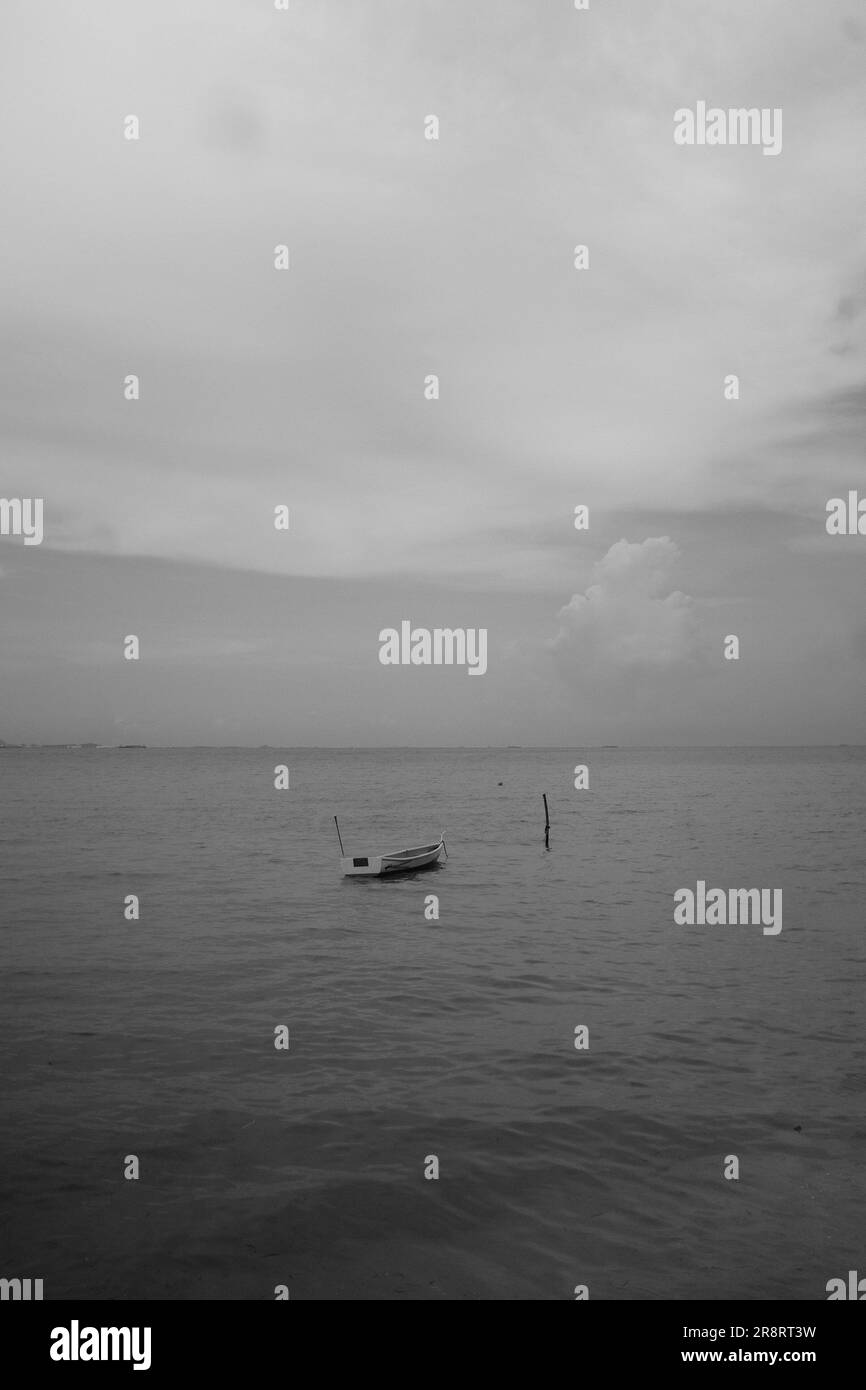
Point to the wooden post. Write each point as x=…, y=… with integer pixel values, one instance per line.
x=546, y=823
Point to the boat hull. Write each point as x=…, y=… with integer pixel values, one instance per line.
x=403, y=861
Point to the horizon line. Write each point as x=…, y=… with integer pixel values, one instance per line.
x=413, y=747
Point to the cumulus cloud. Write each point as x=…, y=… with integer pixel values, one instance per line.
x=630, y=618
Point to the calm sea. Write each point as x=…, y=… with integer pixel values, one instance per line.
x=411, y=1038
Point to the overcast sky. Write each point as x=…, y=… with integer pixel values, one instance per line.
x=559, y=387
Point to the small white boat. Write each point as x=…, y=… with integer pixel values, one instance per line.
x=400, y=861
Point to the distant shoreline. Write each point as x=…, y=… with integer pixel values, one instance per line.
x=415, y=748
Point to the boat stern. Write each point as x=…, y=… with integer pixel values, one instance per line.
x=361, y=864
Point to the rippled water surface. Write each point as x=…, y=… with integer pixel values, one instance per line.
x=411, y=1038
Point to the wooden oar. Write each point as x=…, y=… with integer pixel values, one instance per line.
x=339, y=837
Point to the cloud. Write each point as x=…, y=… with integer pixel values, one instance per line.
x=259, y=387
x=629, y=619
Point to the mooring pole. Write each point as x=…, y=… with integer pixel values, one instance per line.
x=339, y=837
x=546, y=823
